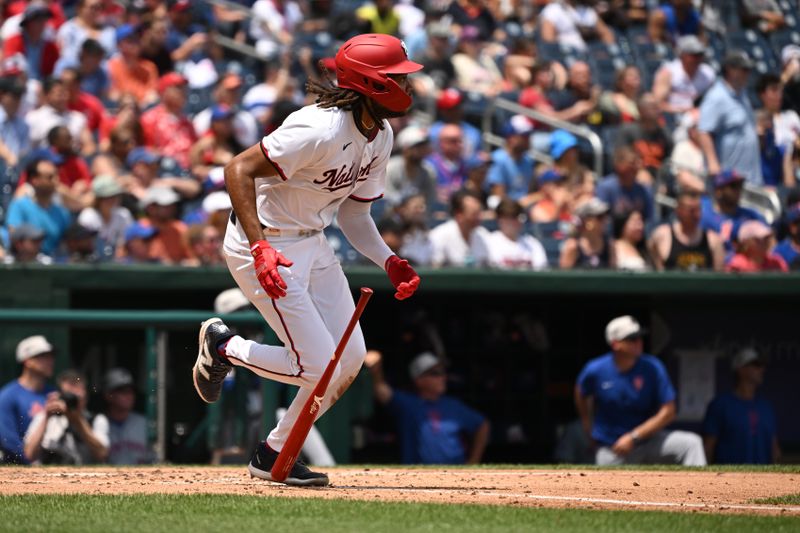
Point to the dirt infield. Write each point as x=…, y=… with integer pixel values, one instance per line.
x=730, y=492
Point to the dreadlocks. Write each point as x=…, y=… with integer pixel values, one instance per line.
x=329, y=96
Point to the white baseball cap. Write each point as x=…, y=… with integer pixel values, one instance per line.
x=32, y=346
x=423, y=363
x=623, y=328
x=230, y=300
x=412, y=136
x=745, y=356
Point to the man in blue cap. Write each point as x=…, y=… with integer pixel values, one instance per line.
x=789, y=248
x=512, y=167
x=722, y=213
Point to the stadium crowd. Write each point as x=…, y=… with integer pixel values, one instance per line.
x=117, y=118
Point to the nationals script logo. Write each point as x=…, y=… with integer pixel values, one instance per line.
x=340, y=178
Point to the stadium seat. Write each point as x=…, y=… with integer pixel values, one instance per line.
x=344, y=251
x=757, y=47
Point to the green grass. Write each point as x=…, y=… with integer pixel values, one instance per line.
x=245, y=514
x=786, y=499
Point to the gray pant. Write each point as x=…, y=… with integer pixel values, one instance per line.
x=665, y=447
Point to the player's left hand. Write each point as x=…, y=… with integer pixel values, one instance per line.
x=624, y=445
x=402, y=276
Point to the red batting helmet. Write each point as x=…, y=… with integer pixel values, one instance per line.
x=364, y=63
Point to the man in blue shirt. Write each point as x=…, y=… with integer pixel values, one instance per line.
x=512, y=167
x=727, y=126
x=789, y=248
x=621, y=191
x=15, y=141
x=431, y=425
x=723, y=213
x=23, y=398
x=625, y=400
x=739, y=426
x=41, y=210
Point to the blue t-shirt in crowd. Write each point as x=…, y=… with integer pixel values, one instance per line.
x=431, y=432
x=514, y=175
x=690, y=26
x=18, y=406
x=789, y=253
x=772, y=160
x=621, y=200
x=722, y=223
x=623, y=400
x=53, y=220
x=744, y=429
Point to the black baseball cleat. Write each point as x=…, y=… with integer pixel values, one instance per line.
x=300, y=476
x=210, y=369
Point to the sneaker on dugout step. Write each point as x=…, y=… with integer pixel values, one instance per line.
x=210, y=369
x=261, y=466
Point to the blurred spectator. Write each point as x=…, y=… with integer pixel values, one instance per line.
x=687, y=160
x=680, y=83
x=620, y=190
x=138, y=241
x=379, y=16
x=65, y=432
x=186, y=39
x=647, y=136
x=727, y=124
x=511, y=173
x=432, y=427
x=476, y=71
x=206, y=243
x=127, y=430
x=166, y=126
x=475, y=14
x=89, y=23
x=155, y=34
x=625, y=401
x=477, y=169
x=228, y=95
x=579, y=98
x=15, y=68
x=40, y=210
x=436, y=57
x=91, y=69
x=74, y=179
x=78, y=245
x=26, y=246
x=723, y=212
x=753, y=253
x=564, y=151
x=416, y=244
x=518, y=62
x=217, y=146
x=777, y=168
x=272, y=25
x=673, y=19
x=55, y=112
x=15, y=140
x=450, y=109
x=740, y=426
x=170, y=245
x=536, y=96
x=554, y=201
x=629, y=241
x=623, y=13
x=790, y=76
x=129, y=72
x=33, y=42
x=461, y=241
x=448, y=161
x=622, y=102
x=144, y=173
x=260, y=98
x=511, y=248
x=126, y=123
x=789, y=248
x=79, y=100
x=763, y=15
x=571, y=23
x=409, y=173
x=591, y=247
x=785, y=125
x=107, y=217
x=685, y=244
x=25, y=397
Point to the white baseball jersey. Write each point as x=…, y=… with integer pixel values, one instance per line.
x=322, y=159
x=524, y=253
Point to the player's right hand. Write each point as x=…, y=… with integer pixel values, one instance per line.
x=266, y=262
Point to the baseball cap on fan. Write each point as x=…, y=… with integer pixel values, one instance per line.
x=744, y=357
x=117, y=378
x=411, y=136
x=623, y=328
x=424, y=362
x=33, y=346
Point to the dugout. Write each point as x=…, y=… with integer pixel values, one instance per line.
x=515, y=342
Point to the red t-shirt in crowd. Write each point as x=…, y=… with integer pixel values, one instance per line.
x=91, y=107
x=531, y=98
x=171, y=135
x=742, y=263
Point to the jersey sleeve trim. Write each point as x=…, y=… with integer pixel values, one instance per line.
x=274, y=164
x=365, y=200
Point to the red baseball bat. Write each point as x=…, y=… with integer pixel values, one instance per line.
x=297, y=436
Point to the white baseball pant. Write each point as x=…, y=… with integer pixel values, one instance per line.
x=665, y=447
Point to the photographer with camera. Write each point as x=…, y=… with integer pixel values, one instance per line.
x=65, y=432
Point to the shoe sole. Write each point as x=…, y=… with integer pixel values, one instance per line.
x=293, y=481
x=201, y=343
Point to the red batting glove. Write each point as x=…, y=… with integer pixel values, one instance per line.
x=402, y=276
x=266, y=262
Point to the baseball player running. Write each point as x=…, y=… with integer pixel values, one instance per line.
x=285, y=191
